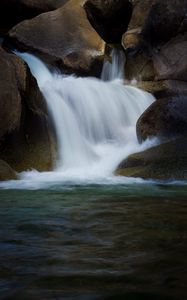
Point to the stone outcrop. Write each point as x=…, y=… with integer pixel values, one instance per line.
x=165, y=119
x=62, y=38
x=109, y=18
x=13, y=12
x=26, y=137
x=163, y=162
x=156, y=46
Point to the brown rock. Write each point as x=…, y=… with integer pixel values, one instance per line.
x=6, y=172
x=133, y=39
x=26, y=136
x=166, y=20
x=165, y=118
x=63, y=38
x=156, y=46
x=13, y=12
x=10, y=98
x=165, y=161
x=170, y=62
x=110, y=18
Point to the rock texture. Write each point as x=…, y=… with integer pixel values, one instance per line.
x=26, y=137
x=63, y=38
x=163, y=162
x=156, y=45
x=6, y=172
x=165, y=119
x=13, y=12
x=110, y=18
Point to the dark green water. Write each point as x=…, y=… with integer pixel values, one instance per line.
x=96, y=242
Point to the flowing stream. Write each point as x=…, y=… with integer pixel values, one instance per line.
x=95, y=121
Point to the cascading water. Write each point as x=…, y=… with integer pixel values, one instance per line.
x=95, y=119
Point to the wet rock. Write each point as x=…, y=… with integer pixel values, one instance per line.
x=163, y=162
x=26, y=136
x=13, y=12
x=6, y=172
x=62, y=38
x=109, y=18
x=165, y=118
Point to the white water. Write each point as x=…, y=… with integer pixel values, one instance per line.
x=95, y=121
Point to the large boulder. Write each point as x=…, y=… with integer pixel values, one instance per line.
x=170, y=61
x=163, y=162
x=155, y=22
x=156, y=46
x=132, y=38
x=62, y=38
x=165, y=118
x=110, y=18
x=26, y=137
x=13, y=12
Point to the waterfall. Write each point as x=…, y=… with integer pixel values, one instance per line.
x=114, y=69
x=95, y=119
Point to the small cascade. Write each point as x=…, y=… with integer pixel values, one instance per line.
x=95, y=119
x=114, y=69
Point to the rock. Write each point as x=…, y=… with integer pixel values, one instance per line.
x=109, y=18
x=133, y=37
x=13, y=12
x=170, y=61
x=163, y=162
x=26, y=136
x=155, y=22
x=10, y=98
x=165, y=118
x=62, y=38
x=156, y=46
x=6, y=172
x=166, y=20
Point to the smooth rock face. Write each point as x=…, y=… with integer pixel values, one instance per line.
x=166, y=20
x=10, y=98
x=132, y=38
x=110, y=18
x=13, y=12
x=62, y=38
x=165, y=161
x=170, y=62
x=26, y=136
x=156, y=46
x=6, y=172
x=165, y=118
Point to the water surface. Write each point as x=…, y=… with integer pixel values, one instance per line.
x=104, y=242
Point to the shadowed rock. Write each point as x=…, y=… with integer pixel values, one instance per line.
x=13, y=12
x=62, y=38
x=6, y=172
x=165, y=118
x=109, y=18
x=156, y=46
x=26, y=136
